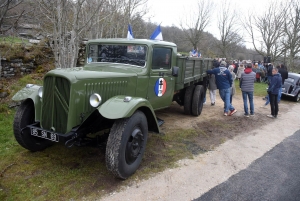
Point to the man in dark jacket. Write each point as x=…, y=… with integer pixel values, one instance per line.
x=273, y=90
x=269, y=71
x=224, y=83
x=284, y=75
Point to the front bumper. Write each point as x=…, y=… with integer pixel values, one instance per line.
x=67, y=139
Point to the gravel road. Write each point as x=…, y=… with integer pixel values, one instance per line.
x=194, y=177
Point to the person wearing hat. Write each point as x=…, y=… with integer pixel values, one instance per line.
x=224, y=82
x=247, y=86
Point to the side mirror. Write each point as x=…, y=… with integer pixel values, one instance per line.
x=175, y=70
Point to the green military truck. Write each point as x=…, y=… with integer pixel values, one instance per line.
x=121, y=85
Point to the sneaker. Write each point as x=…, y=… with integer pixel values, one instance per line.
x=225, y=114
x=212, y=104
x=252, y=115
x=232, y=112
x=246, y=115
x=271, y=116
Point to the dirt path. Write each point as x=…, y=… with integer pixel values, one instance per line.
x=249, y=139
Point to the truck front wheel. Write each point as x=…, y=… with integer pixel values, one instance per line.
x=126, y=145
x=197, y=102
x=23, y=117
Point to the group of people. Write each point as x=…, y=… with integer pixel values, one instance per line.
x=195, y=53
x=222, y=77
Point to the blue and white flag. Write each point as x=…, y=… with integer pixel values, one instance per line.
x=129, y=33
x=156, y=35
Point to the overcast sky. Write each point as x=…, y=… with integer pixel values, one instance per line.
x=169, y=12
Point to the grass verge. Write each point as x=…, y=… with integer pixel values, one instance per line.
x=260, y=89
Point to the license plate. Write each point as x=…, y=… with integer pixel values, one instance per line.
x=44, y=134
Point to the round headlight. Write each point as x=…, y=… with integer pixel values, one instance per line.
x=95, y=100
x=40, y=92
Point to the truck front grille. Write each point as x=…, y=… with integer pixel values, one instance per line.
x=105, y=89
x=55, y=105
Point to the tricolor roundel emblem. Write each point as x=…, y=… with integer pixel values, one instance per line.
x=160, y=87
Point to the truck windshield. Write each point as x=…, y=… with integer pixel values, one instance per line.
x=117, y=53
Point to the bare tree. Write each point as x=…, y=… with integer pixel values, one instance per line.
x=66, y=25
x=291, y=39
x=229, y=29
x=266, y=28
x=113, y=17
x=196, y=21
x=132, y=10
x=7, y=15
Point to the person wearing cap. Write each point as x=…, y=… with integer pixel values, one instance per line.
x=247, y=86
x=224, y=82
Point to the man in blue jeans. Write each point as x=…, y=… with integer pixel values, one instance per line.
x=224, y=83
x=247, y=86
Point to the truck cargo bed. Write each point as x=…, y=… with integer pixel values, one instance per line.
x=192, y=70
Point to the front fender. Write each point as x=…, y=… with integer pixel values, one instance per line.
x=27, y=92
x=296, y=92
x=30, y=92
x=117, y=108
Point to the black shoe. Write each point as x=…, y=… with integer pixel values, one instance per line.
x=212, y=104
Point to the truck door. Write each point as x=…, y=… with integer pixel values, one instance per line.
x=161, y=82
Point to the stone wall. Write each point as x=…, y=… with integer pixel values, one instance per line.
x=15, y=67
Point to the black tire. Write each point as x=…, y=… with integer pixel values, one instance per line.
x=126, y=145
x=297, y=97
x=197, y=102
x=188, y=97
x=24, y=116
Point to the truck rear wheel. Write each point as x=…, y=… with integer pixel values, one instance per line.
x=23, y=117
x=188, y=97
x=126, y=145
x=197, y=102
